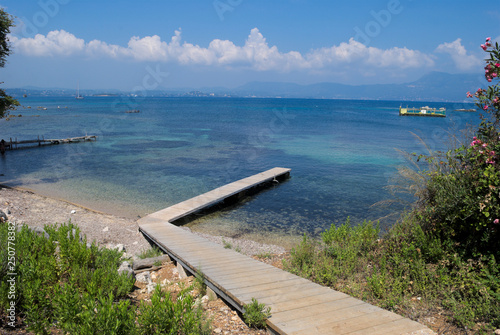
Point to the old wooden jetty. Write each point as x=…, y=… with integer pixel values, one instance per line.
x=298, y=306
x=21, y=144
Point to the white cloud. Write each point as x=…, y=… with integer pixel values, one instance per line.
x=458, y=53
x=255, y=54
x=357, y=53
x=56, y=43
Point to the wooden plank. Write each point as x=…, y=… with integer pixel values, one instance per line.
x=235, y=269
x=285, y=293
x=401, y=326
x=246, y=282
x=346, y=326
x=331, y=308
x=288, y=297
x=268, y=286
x=319, y=315
x=307, y=301
x=240, y=275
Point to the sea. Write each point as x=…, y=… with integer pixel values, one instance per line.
x=343, y=154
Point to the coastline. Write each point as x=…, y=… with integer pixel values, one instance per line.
x=25, y=206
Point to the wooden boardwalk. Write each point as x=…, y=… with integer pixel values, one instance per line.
x=39, y=142
x=298, y=306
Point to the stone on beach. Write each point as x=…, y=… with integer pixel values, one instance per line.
x=126, y=268
x=149, y=262
x=3, y=217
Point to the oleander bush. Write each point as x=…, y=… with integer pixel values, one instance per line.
x=462, y=199
x=442, y=257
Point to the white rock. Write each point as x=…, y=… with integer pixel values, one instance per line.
x=217, y=330
x=73, y=211
x=151, y=287
x=144, y=277
x=126, y=268
x=105, y=229
x=120, y=247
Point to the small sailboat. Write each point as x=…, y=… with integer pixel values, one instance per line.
x=78, y=96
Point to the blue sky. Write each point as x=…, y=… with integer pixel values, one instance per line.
x=160, y=44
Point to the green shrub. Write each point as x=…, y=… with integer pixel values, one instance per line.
x=256, y=314
x=302, y=258
x=62, y=283
x=97, y=315
x=200, y=282
x=226, y=244
x=164, y=316
x=53, y=274
x=151, y=252
x=406, y=268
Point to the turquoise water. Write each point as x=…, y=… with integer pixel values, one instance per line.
x=342, y=155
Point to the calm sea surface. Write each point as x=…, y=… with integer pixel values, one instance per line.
x=342, y=154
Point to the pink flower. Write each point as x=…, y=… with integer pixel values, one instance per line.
x=497, y=64
x=496, y=221
x=469, y=95
x=492, y=153
x=484, y=47
x=488, y=39
x=486, y=106
x=494, y=74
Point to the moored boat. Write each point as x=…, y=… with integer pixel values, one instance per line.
x=422, y=111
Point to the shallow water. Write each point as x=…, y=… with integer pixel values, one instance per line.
x=342, y=154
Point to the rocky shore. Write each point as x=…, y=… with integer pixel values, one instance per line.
x=26, y=207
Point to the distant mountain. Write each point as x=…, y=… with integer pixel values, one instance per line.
x=435, y=86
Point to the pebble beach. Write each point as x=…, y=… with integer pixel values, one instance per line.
x=23, y=206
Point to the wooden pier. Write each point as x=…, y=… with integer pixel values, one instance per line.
x=39, y=142
x=298, y=306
